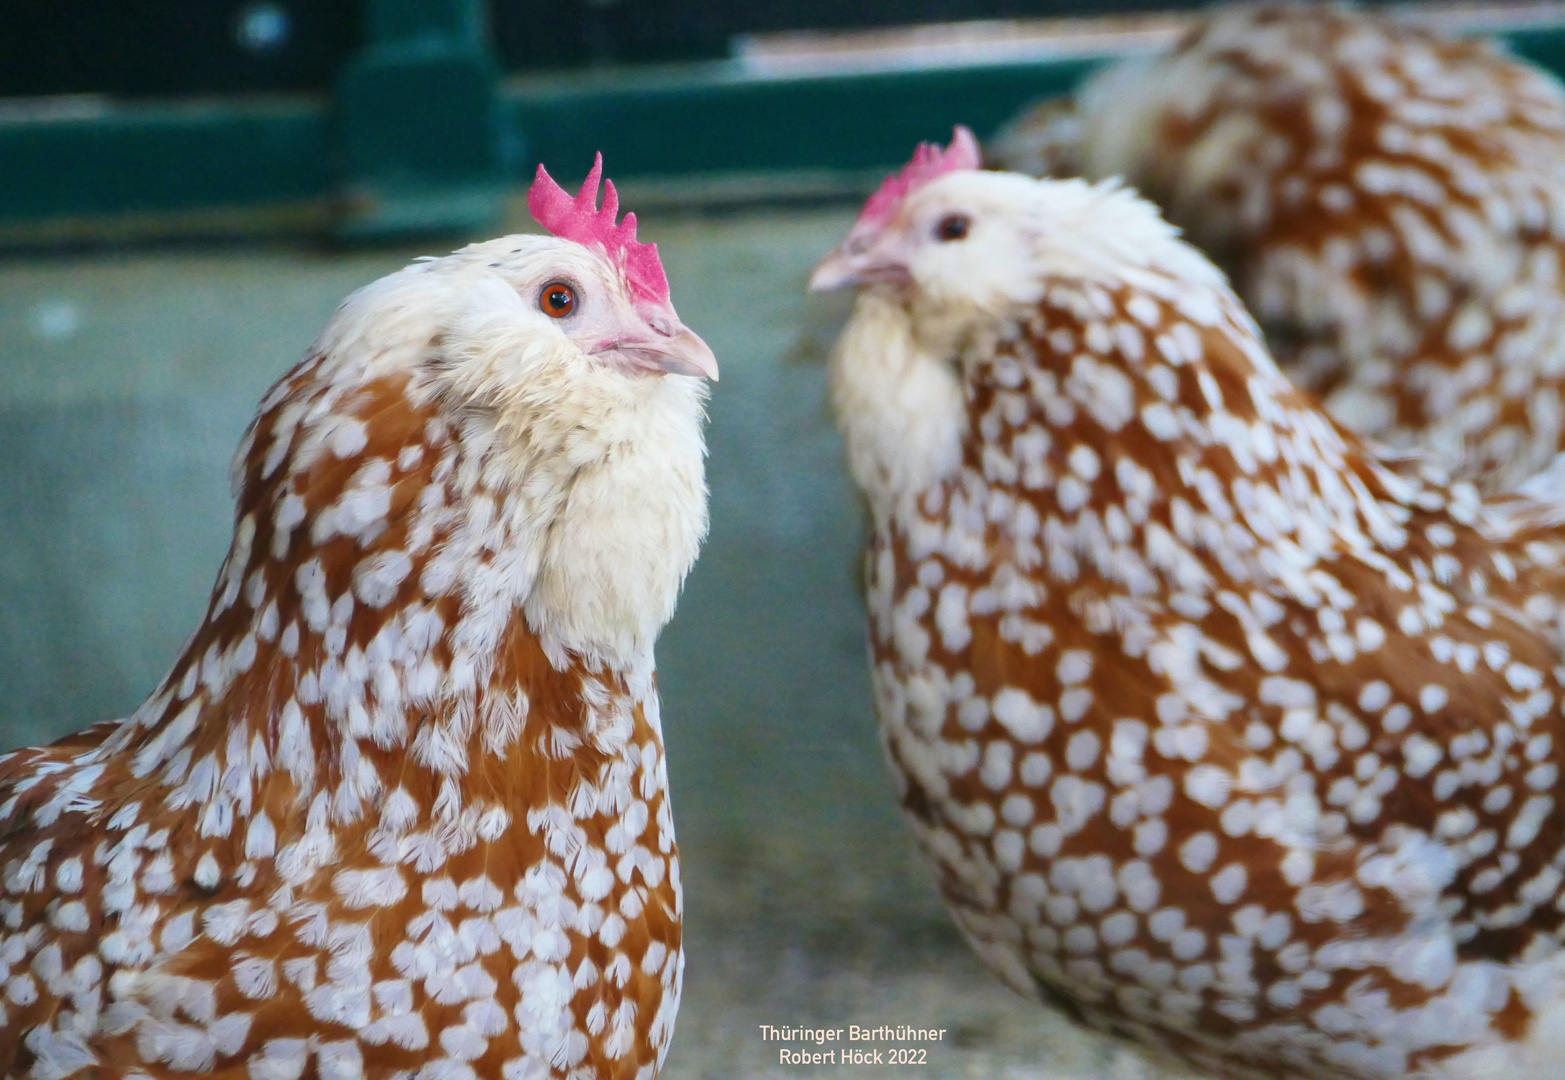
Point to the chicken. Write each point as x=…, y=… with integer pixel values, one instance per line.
x=1214, y=729
x=1387, y=203
x=400, y=807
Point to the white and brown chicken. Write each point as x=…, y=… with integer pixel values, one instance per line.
x=1214, y=729
x=400, y=808
x=1388, y=202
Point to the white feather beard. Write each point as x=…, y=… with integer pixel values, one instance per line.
x=901, y=410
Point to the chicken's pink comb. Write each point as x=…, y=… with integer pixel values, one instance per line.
x=929, y=162
x=579, y=219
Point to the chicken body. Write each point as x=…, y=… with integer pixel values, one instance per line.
x=1214, y=730
x=401, y=806
x=1386, y=202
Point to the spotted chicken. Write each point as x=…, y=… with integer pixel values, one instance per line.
x=400, y=808
x=1216, y=731
x=1386, y=200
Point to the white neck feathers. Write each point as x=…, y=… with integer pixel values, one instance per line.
x=600, y=477
x=902, y=409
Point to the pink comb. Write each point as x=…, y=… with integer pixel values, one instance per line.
x=929, y=162
x=579, y=219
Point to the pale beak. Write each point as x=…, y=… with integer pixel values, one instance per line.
x=657, y=343
x=679, y=353
x=861, y=264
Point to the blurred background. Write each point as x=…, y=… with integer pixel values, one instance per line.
x=189, y=187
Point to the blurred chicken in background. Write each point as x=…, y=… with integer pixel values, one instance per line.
x=1390, y=204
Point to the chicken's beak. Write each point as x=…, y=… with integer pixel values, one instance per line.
x=858, y=262
x=656, y=342
x=833, y=272
x=679, y=353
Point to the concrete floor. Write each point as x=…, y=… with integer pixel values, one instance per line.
x=126, y=381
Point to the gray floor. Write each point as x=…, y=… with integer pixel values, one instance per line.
x=125, y=382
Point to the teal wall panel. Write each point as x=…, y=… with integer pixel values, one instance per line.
x=711, y=118
x=109, y=159
x=423, y=134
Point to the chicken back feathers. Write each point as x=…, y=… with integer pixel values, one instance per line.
x=387, y=815
x=1385, y=200
x=1214, y=729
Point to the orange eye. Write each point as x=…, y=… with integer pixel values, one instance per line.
x=557, y=300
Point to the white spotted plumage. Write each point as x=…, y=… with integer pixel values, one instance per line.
x=1385, y=199
x=1214, y=728
x=401, y=806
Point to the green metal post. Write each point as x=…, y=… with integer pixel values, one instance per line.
x=422, y=141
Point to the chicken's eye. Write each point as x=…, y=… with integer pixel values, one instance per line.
x=953, y=227
x=557, y=300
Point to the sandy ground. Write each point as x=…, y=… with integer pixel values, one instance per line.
x=126, y=381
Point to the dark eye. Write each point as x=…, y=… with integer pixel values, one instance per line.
x=557, y=300
x=953, y=227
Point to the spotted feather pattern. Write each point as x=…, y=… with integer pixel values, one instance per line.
x=1386, y=201
x=367, y=827
x=1215, y=730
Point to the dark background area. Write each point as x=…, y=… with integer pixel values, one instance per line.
x=149, y=48
x=538, y=34
x=156, y=48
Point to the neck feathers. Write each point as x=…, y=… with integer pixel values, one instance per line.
x=900, y=405
x=1148, y=391
x=417, y=588
x=1153, y=403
